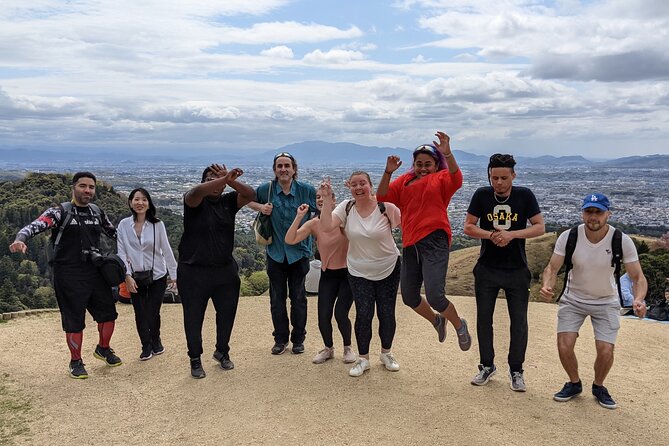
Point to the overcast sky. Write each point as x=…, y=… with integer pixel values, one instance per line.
x=525, y=76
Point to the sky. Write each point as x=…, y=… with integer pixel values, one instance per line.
x=529, y=77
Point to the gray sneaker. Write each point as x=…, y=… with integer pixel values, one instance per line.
x=464, y=339
x=483, y=376
x=440, y=326
x=517, y=381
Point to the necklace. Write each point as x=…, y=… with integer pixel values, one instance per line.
x=502, y=201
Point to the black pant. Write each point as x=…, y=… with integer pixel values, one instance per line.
x=515, y=283
x=293, y=275
x=367, y=294
x=82, y=288
x=147, y=302
x=334, y=294
x=196, y=285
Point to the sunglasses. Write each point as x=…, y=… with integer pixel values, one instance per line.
x=426, y=148
x=286, y=154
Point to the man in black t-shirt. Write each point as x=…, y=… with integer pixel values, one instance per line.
x=78, y=284
x=206, y=266
x=501, y=211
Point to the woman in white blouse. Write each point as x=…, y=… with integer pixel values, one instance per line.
x=145, y=249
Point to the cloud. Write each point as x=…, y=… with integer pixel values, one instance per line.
x=279, y=52
x=334, y=56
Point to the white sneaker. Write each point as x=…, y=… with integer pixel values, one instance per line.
x=389, y=361
x=349, y=355
x=359, y=368
x=323, y=355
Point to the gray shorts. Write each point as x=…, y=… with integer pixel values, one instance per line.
x=605, y=319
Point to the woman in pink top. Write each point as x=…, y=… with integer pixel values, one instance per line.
x=334, y=292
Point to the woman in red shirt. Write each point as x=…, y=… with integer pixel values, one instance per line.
x=423, y=195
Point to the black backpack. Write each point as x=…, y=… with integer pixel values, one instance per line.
x=616, y=259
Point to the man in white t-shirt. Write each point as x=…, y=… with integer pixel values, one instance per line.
x=591, y=291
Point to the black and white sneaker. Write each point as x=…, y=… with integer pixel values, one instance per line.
x=279, y=348
x=484, y=375
x=224, y=360
x=147, y=353
x=158, y=348
x=77, y=370
x=107, y=355
x=196, y=370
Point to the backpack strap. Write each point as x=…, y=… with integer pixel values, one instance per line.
x=569, y=252
x=66, y=206
x=617, y=260
x=380, y=204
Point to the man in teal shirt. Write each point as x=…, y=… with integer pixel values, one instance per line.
x=287, y=265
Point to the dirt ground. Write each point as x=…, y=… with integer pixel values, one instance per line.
x=288, y=400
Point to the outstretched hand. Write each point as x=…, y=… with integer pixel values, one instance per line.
x=233, y=174
x=444, y=144
x=393, y=163
x=18, y=246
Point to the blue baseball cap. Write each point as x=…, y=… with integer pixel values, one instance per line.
x=598, y=201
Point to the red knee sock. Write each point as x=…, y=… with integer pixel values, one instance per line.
x=106, y=329
x=74, y=341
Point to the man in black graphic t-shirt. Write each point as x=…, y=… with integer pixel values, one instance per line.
x=78, y=284
x=501, y=211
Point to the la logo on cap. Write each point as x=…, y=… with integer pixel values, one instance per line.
x=593, y=197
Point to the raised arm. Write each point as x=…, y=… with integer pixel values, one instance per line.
x=223, y=177
x=297, y=233
x=392, y=164
x=444, y=146
x=49, y=219
x=549, y=277
x=328, y=221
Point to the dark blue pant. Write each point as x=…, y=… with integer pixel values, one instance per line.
x=196, y=285
x=382, y=294
x=426, y=262
x=515, y=283
x=147, y=302
x=287, y=280
x=334, y=295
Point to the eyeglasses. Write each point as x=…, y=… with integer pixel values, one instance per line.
x=425, y=148
x=286, y=154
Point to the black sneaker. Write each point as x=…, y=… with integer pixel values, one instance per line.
x=279, y=348
x=196, y=370
x=298, y=348
x=147, y=353
x=569, y=391
x=440, y=326
x=107, y=355
x=224, y=360
x=158, y=348
x=603, y=396
x=77, y=370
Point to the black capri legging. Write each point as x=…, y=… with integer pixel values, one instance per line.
x=367, y=294
x=334, y=295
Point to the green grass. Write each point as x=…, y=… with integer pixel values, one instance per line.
x=15, y=410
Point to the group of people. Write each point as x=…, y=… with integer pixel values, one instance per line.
x=360, y=264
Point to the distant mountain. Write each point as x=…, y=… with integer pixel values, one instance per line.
x=549, y=160
x=649, y=161
x=312, y=152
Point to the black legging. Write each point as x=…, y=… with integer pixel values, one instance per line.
x=383, y=294
x=334, y=295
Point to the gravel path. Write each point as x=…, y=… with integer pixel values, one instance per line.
x=288, y=400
